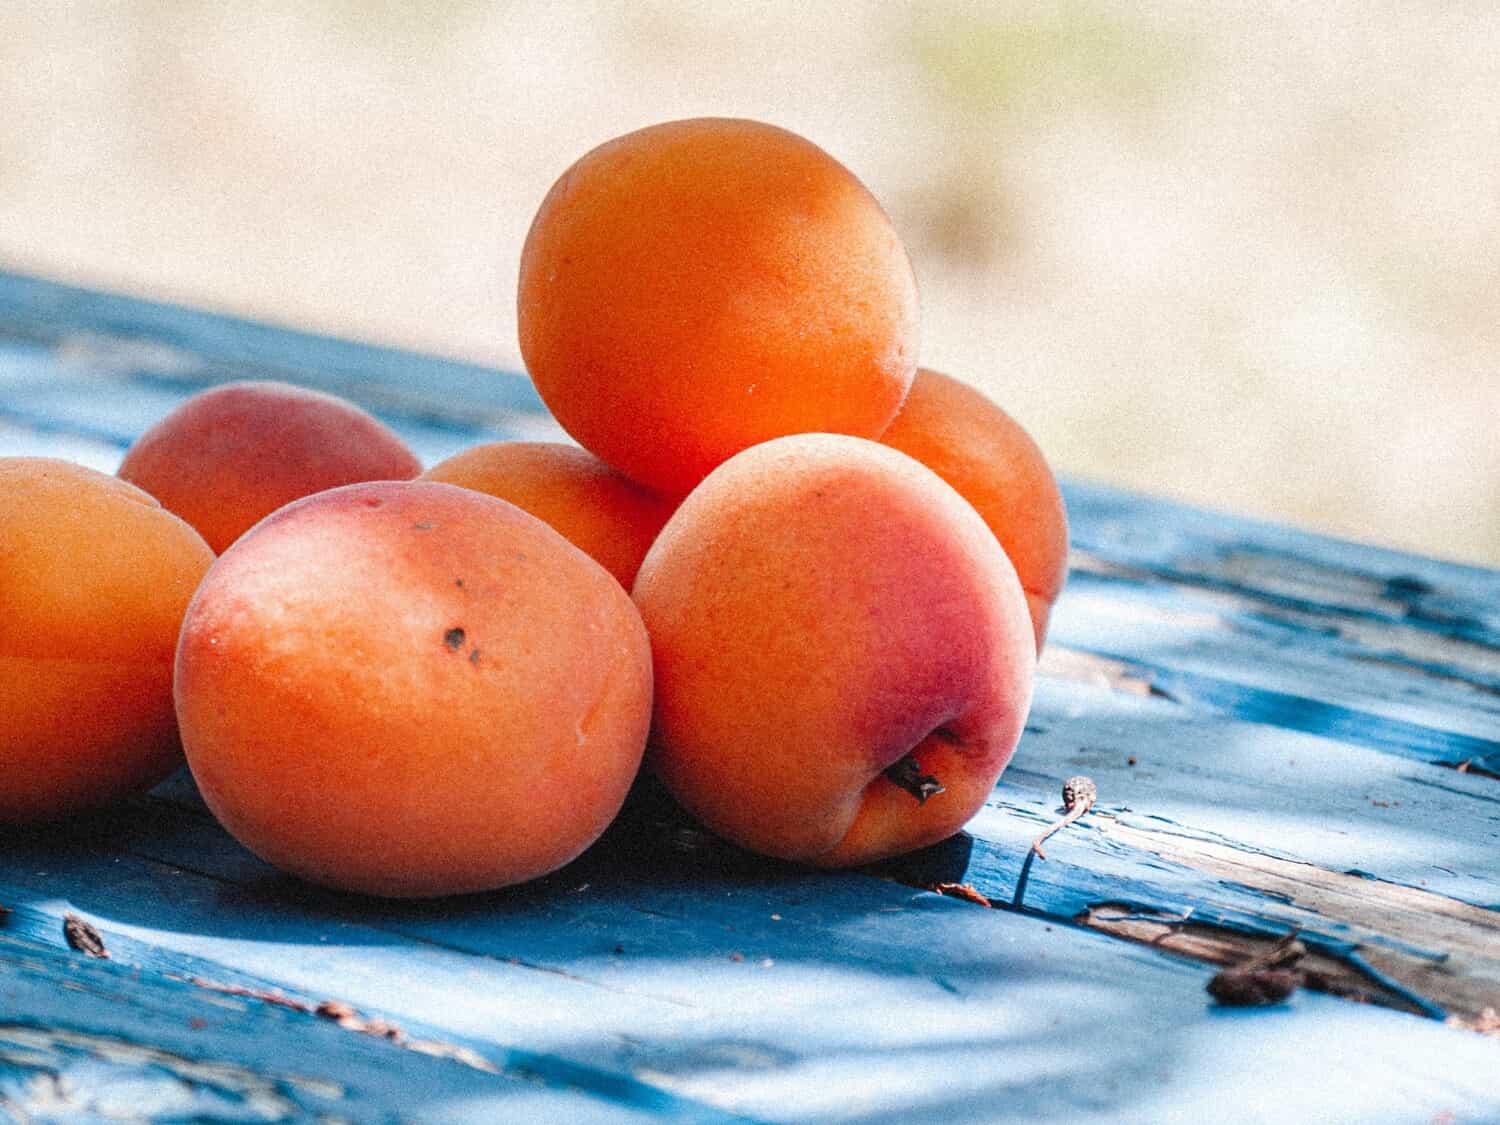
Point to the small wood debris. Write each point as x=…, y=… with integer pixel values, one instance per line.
x=1250, y=988
x=1469, y=766
x=81, y=935
x=347, y=1016
x=1079, y=794
x=964, y=891
x=1267, y=979
x=336, y=1010
x=268, y=995
x=1487, y=1022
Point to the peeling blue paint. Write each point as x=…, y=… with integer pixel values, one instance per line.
x=1302, y=693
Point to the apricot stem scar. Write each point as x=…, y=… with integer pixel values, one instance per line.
x=906, y=774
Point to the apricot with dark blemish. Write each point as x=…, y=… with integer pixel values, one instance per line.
x=336, y=730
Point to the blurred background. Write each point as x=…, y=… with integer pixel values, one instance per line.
x=1244, y=255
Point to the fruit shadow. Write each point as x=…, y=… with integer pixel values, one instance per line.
x=729, y=981
x=669, y=955
x=163, y=854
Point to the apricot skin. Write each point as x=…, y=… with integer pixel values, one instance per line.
x=412, y=689
x=819, y=607
x=94, y=579
x=233, y=454
x=696, y=287
x=994, y=464
x=609, y=517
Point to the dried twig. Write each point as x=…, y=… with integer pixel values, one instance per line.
x=1079, y=794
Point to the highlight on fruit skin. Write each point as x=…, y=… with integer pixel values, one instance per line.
x=94, y=579
x=411, y=689
x=843, y=654
x=604, y=514
x=696, y=287
x=984, y=453
x=233, y=454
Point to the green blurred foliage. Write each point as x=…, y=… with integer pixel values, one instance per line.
x=994, y=60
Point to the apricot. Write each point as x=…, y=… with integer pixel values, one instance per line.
x=696, y=287
x=94, y=579
x=984, y=453
x=607, y=516
x=411, y=689
x=233, y=454
x=843, y=655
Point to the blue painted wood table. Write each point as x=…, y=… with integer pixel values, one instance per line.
x=1288, y=733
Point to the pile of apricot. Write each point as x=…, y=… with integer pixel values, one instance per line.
x=812, y=576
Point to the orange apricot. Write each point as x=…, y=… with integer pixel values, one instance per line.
x=696, y=287
x=607, y=516
x=412, y=689
x=994, y=464
x=843, y=655
x=233, y=454
x=94, y=579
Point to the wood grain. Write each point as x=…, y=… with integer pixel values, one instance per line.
x=1287, y=733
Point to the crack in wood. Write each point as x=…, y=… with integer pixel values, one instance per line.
x=1368, y=940
x=1319, y=969
x=50, y=1050
x=1396, y=925
x=348, y=1017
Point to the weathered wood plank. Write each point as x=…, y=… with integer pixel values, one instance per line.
x=1306, y=674
x=101, y=368
x=84, y=1039
x=1261, y=709
x=1301, y=568
x=850, y=997
x=1257, y=621
x=1278, y=565
x=1249, y=829
x=110, y=336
